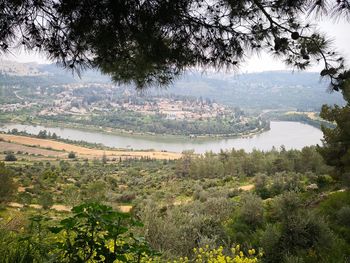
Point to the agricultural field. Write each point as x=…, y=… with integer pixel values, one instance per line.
x=51, y=148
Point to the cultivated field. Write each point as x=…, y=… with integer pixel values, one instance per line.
x=21, y=143
x=14, y=147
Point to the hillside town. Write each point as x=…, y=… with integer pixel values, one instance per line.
x=85, y=98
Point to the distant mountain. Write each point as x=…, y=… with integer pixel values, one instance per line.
x=266, y=90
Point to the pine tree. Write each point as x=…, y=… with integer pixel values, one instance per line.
x=151, y=42
x=336, y=143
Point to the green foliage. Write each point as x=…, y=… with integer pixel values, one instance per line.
x=10, y=157
x=95, y=191
x=71, y=195
x=95, y=232
x=336, y=208
x=283, y=165
x=71, y=155
x=251, y=210
x=25, y=198
x=298, y=233
x=162, y=39
x=7, y=184
x=42, y=134
x=279, y=183
x=247, y=218
x=303, y=118
x=181, y=209
x=15, y=249
x=336, y=144
x=128, y=120
x=343, y=216
x=46, y=200
x=176, y=230
x=31, y=245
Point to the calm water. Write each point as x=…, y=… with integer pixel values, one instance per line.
x=292, y=135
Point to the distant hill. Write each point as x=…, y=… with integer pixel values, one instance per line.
x=19, y=69
x=48, y=73
x=266, y=90
x=86, y=76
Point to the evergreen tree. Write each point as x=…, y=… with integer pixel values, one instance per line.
x=152, y=41
x=336, y=143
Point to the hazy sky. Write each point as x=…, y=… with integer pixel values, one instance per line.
x=338, y=31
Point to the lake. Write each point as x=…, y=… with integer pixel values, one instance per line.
x=293, y=135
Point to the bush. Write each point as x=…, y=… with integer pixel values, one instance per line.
x=324, y=180
x=71, y=155
x=7, y=185
x=343, y=216
x=297, y=232
x=92, y=233
x=218, y=255
x=99, y=232
x=252, y=211
x=46, y=200
x=10, y=157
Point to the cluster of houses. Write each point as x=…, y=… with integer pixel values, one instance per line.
x=171, y=107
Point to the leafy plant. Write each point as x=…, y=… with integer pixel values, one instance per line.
x=96, y=233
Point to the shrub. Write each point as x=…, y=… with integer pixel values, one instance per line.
x=7, y=185
x=25, y=198
x=251, y=211
x=46, y=200
x=96, y=191
x=343, y=216
x=297, y=232
x=92, y=233
x=95, y=232
x=324, y=180
x=10, y=157
x=71, y=155
x=235, y=255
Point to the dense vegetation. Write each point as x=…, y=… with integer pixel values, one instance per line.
x=194, y=202
x=159, y=124
x=299, y=117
